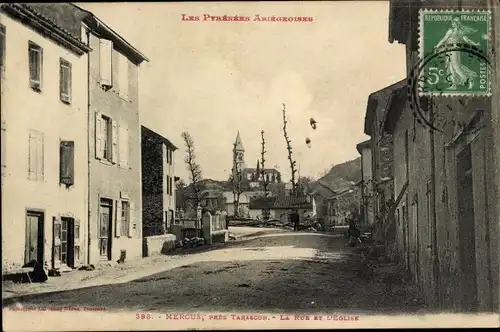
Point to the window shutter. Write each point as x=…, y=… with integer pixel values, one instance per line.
x=56, y=244
x=114, y=136
x=40, y=158
x=105, y=57
x=35, y=66
x=65, y=81
x=4, y=150
x=78, y=247
x=123, y=144
x=123, y=75
x=67, y=167
x=131, y=220
x=118, y=218
x=32, y=157
x=99, y=148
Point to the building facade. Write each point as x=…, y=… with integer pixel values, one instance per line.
x=366, y=186
x=44, y=140
x=381, y=146
x=114, y=134
x=344, y=205
x=448, y=223
x=158, y=183
x=114, y=144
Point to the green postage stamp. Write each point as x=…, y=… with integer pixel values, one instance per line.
x=454, y=48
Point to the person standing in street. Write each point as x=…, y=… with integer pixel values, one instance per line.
x=295, y=220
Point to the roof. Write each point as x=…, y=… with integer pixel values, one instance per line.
x=45, y=26
x=364, y=144
x=395, y=109
x=399, y=19
x=381, y=96
x=281, y=203
x=97, y=25
x=150, y=133
x=253, y=169
x=345, y=191
x=238, y=145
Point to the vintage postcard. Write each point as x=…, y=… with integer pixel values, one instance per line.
x=250, y=165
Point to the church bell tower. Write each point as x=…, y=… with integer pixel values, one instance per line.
x=239, y=150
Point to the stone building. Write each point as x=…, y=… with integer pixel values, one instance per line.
x=448, y=220
x=43, y=102
x=381, y=146
x=158, y=183
x=344, y=205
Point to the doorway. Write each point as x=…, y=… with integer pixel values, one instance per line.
x=34, y=241
x=68, y=241
x=466, y=229
x=105, y=218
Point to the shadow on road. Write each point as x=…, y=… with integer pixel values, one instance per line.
x=315, y=285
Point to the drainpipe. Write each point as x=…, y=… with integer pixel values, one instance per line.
x=89, y=154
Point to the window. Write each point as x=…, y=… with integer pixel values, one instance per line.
x=123, y=76
x=105, y=62
x=67, y=163
x=2, y=48
x=35, y=156
x=171, y=154
x=35, y=66
x=65, y=81
x=106, y=138
x=168, y=185
x=123, y=145
x=125, y=217
x=124, y=213
x=106, y=133
x=84, y=36
x=171, y=187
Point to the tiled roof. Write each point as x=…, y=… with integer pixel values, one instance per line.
x=42, y=23
x=281, y=202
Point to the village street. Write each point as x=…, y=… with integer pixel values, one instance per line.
x=275, y=273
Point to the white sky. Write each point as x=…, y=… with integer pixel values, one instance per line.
x=213, y=78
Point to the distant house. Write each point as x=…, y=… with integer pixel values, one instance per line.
x=243, y=206
x=280, y=207
x=212, y=199
x=344, y=204
x=158, y=178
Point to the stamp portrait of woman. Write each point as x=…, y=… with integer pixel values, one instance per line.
x=458, y=73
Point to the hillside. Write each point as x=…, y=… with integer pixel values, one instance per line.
x=339, y=176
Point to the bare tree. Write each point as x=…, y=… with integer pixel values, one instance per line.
x=289, y=149
x=263, y=165
x=265, y=212
x=236, y=179
x=195, y=174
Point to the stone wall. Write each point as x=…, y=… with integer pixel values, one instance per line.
x=159, y=244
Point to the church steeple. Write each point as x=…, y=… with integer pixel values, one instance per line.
x=238, y=143
x=239, y=150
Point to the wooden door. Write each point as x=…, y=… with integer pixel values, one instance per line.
x=105, y=230
x=34, y=237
